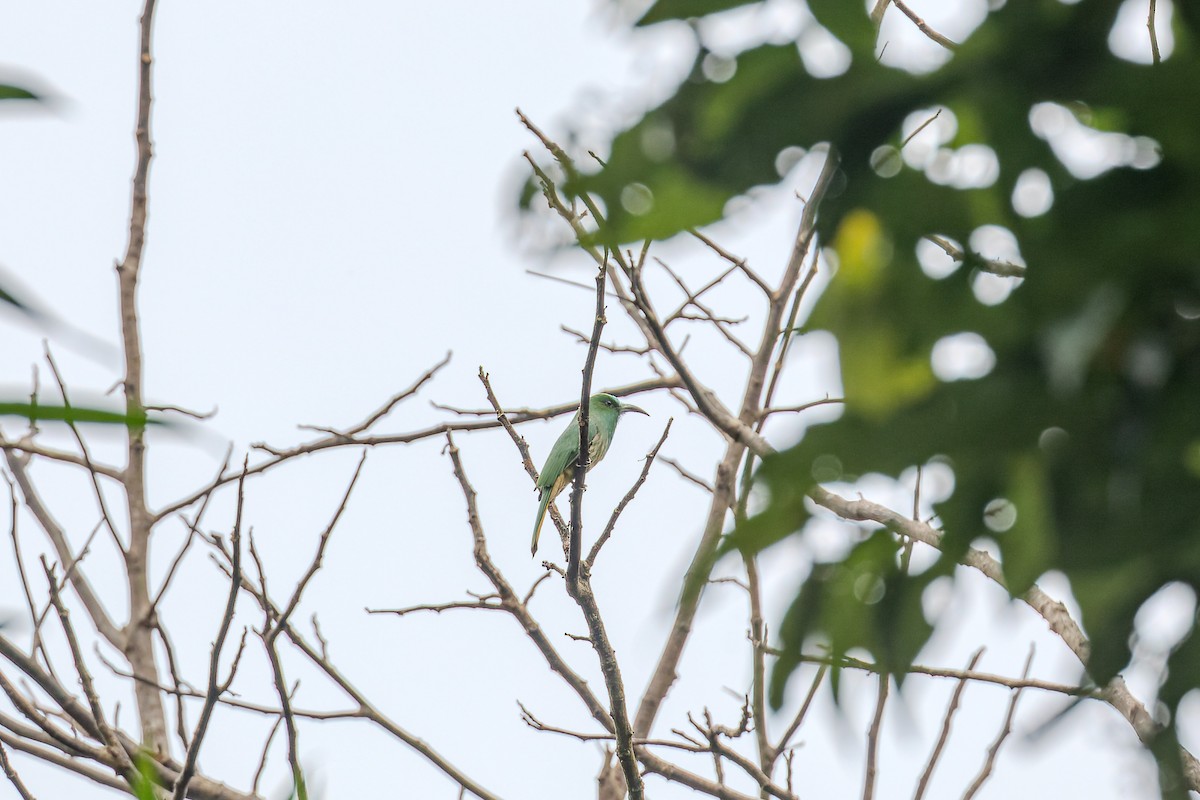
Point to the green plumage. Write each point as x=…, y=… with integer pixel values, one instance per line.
x=604, y=411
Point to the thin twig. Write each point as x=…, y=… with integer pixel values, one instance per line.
x=107, y=735
x=633, y=490
x=83, y=448
x=924, y=28
x=387, y=407
x=740, y=263
x=920, y=128
x=990, y=762
x=1005, y=269
x=758, y=665
x=440, y=607
x=58, y=539
x=215, y=687
x=318, y=559
x=262, y=761
x=1157, y=57
x=688, y=476
x=12, y=775
x=944, y=736
x=826, y=401
x=873, y=735
x=20, y=562
x=785, y=740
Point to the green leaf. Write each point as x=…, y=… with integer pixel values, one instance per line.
x=1086, y=421
x=847, y=21
x=74, y=414
x=9, y=92
x=864, y=601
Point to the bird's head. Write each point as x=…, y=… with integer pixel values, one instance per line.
x=607, y=404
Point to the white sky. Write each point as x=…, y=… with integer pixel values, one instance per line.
x=330, y=213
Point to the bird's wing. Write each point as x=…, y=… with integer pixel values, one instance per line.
x=562, y=456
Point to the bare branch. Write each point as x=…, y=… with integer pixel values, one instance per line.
x=83, y=448
x=101, y=777
x=920, y=128
x=16, y=544
x=608, y=348
x=107, y=735
x=28, y=445
x=986, y=771
x=438, y=608
x=944, y=736
x=785, y=740
x=633, y=490
x=924, y=28
x=873, y=737
x=502, y=418
x=1155, y=55
x=688, y=476
x=387, y=407
x=739, y=263
x=138, y=646
x=530, y=625
x=187, y=412
x=758, y=668
x=1005, y=269
x=215, y=686
x=281, y=456
x=12, y=775
x=58, y=539
x=766, y=412
x=262, y=761
x=319, y=557
x=581, y=461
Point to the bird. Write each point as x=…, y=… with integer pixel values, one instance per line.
x=604, y=411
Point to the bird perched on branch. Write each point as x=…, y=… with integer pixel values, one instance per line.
x=604, y=411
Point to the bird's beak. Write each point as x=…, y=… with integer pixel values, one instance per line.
x=627, y=407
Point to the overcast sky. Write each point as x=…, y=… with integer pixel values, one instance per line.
x=331, y=212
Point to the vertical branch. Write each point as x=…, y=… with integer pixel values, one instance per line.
x=581, y=591
x=581, y=463
x=873, y=738
x=139, y=645
x=579, y=584
x=758, y=642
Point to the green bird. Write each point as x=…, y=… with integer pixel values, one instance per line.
x=604, y=411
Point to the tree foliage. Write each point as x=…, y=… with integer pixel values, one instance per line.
x=1086, y=426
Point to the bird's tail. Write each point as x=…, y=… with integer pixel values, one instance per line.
x=547, y=495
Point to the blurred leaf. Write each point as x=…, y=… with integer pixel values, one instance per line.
x=1085, y=423
x=73, y=414
x=145, y=783
x=8, y=92
x=862, y=601
x=848, y=22
x=664, y=10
